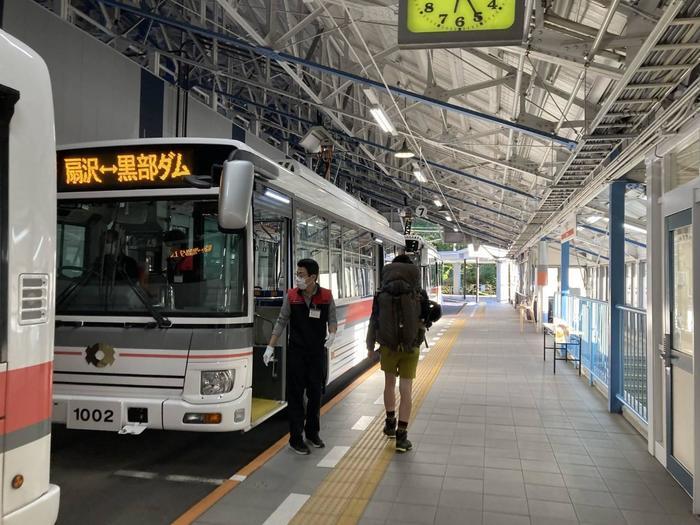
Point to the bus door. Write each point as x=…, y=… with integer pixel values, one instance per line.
x=271, y=229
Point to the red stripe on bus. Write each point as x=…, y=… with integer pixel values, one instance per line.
x=64, y=352
x=25, y=396
x=184, y=356
x=359, y=311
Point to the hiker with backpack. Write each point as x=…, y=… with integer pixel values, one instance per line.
x=401, y=312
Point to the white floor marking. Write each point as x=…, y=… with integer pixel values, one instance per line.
x=380, y=400
x=238, y=477
x=334, y=455
x=193, y=479
x=421, y=357
x=363, y=422
x=136, y=474
x=425, y=350
x=287, y=509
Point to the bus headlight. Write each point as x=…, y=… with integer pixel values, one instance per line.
x=216, y=382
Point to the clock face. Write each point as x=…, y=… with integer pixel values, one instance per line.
x=443, y=16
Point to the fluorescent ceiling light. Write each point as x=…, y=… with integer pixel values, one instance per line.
x=448, y=218
x=418, y=174
x=455, y=229
x=276, y=196
x=378, y=241
x=437, y=202
x=633, y=228
x=382, y=120
x=404, y=152
x=593, y=219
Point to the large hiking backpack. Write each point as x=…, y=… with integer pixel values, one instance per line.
x=399, y=307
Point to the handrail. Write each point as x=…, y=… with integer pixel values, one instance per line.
x=631, y=309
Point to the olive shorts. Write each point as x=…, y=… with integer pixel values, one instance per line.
x=402, y=364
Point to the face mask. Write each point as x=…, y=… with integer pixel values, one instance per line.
x=301, y=283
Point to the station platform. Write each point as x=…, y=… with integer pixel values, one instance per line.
x=498, y=439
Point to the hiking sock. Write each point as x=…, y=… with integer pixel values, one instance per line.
x=403, y=425
x=390, y=414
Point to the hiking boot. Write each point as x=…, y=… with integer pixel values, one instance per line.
x=315, y=441
x=300, y=448
x=402, y=442
x=390, y=427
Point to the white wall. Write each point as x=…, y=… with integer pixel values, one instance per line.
x=96, y=90
x=202, y=120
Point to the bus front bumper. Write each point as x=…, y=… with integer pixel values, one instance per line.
x=165, y=414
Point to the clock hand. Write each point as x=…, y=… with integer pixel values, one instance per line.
x=472, y=6
x=456, y=5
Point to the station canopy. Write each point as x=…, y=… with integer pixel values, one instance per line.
x=507, y=141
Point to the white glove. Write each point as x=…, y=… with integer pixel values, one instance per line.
x=269, y=355
x=330, y=339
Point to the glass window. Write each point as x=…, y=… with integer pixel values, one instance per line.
x=312, y=242
x=71, y=243
x=351, y=266
x=685, y=165
x=366, y=267
x=268, y=238
x=138, y=257
x=642, y=285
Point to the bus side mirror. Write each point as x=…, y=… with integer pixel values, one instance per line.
x=235, y=194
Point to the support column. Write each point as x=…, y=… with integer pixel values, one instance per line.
x=655, y=309
x=456, y=278
x=477, y=279
x=542, y=277
x=564, y=279
x=617, y=290
x=502, y=281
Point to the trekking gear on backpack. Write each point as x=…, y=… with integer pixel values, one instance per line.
x=431, y=312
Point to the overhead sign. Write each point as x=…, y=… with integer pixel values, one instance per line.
x=460, y=23
x=138, y=166
x=568, y=232
x=421, y=212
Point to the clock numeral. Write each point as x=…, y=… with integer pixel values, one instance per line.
x=429, y=7
x=478, y=17
x=459, y=21
x=492, y=4
x=443, y=18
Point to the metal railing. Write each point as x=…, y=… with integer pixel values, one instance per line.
x=634, y=359
x=591, y=318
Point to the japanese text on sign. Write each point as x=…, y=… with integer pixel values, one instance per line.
x=190, y=252
x=126, y=168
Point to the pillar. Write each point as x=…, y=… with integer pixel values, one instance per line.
x=541, y=282
x=564, y=279
x=617, y=290
x=477, y=279
x=456, y=278
x=502, y=281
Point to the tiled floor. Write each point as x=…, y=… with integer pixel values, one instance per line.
x=501, y=440
x=498, y=440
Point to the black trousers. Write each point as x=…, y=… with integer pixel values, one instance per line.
x=306, y=373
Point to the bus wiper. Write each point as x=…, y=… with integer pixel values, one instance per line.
x=74, y=287
x=161, y=320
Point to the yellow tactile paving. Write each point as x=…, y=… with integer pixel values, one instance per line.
x=343, y=495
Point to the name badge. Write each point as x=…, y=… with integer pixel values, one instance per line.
x=315, y=313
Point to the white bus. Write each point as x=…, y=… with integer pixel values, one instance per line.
x=173, y=259
x=27, y=266
x=425, y=255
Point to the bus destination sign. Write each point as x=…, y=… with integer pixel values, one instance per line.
x=123, y=168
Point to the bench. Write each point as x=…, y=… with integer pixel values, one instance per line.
x=563, y=339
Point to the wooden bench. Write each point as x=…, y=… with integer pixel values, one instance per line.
x=563, y=339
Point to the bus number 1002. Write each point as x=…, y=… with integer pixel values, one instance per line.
x=96, y=415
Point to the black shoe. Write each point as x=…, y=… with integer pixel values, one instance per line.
x=300, y=448
x=402, y=442
x=390, y=427
x=315, y=441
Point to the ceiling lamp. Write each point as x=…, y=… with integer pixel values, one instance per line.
x=404, y=152
x=437, y=203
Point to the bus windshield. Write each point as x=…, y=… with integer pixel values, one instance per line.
x=148, y=257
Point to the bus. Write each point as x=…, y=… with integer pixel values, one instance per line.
x=425, y=255
x=27, y=273
x=173, y=259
